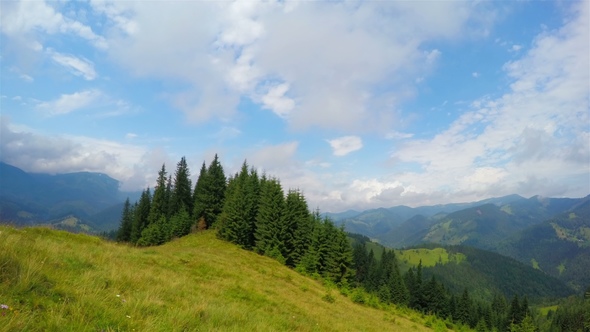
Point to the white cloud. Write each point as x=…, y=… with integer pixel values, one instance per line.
x=475, y=74
x=26, y=78
x=78, y=66
x=36, y=152
x=274, y=158
x=23, y=20
x=398, y=135
x=276, y=100
x=344, y=145
x=67, y=103
x=326, y=57
x=532, y=140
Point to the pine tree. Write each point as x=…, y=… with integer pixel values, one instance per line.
x=464, y=308
x=159, y=206
x=514, y=312
x=181, y=194
x=180, y=223
x=199, y=194
x=141, y=215
x=238, y=220
x=215, y=192
x=124, y=232
x=298, y=224
x=270, y=219
x=209, y=194
x=360, y=258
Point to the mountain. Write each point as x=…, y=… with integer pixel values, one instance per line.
x=410, y=232
x=483, y=273
x=30, y=198
x=483, y=226
x=377, y=222
x=57, y=281
x=560, y=246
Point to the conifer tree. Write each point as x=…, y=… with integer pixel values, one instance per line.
x=168, y=208
x=270, y=219
x=464, y=307
x=298, y=224
x=181, y=193
x=159, y=206
x=199, y=194
x=215, y=191
x=238, y=219
x=141, y=215
x=209, y=193
x=124, y=232
x=180, y=223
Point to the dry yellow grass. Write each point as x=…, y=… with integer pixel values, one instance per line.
x=57, y=281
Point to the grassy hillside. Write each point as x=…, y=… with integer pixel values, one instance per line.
x=58, y=281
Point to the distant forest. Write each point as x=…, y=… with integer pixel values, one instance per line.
x=253, y=211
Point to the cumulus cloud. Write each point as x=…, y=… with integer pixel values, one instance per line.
x=276, y=100
x=532, y=140
x=534, y=135
x=344, y=145
x=133, y=165
x=317, y=62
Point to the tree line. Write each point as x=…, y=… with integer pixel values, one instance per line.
x=246, y=208
x=254, y=212
x=410, y=289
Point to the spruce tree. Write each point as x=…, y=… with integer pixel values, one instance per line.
x=182, y=189
x=141, y=215
x=124, y=232
x=298, y=225
x=270, y=219
x=209, y=194
x=238, y=219
x=199, y=194
x=159, y=206
x=215, y=193
x=180, y=223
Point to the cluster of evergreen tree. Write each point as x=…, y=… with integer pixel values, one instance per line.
x=247, y=209
x=175, y=207
x=257, y=215
x=572, y=314
x=383, y=278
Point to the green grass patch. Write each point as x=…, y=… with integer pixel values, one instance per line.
x=429, y=257
x=545, y=310
x=57, y=281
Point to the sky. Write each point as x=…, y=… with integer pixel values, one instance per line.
x=359, y=104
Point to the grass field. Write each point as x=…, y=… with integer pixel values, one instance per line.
x=58, y=281
x=429, y=257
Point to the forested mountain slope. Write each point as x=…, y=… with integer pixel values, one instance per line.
x=559, y=246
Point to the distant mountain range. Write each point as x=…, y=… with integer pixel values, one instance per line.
x=549, y=234
x=82, y=201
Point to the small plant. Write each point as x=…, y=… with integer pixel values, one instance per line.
x=358, y=296
x=329, y=298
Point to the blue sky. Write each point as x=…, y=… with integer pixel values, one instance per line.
x=359, y=104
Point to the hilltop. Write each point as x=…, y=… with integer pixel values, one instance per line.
x=54, y=280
